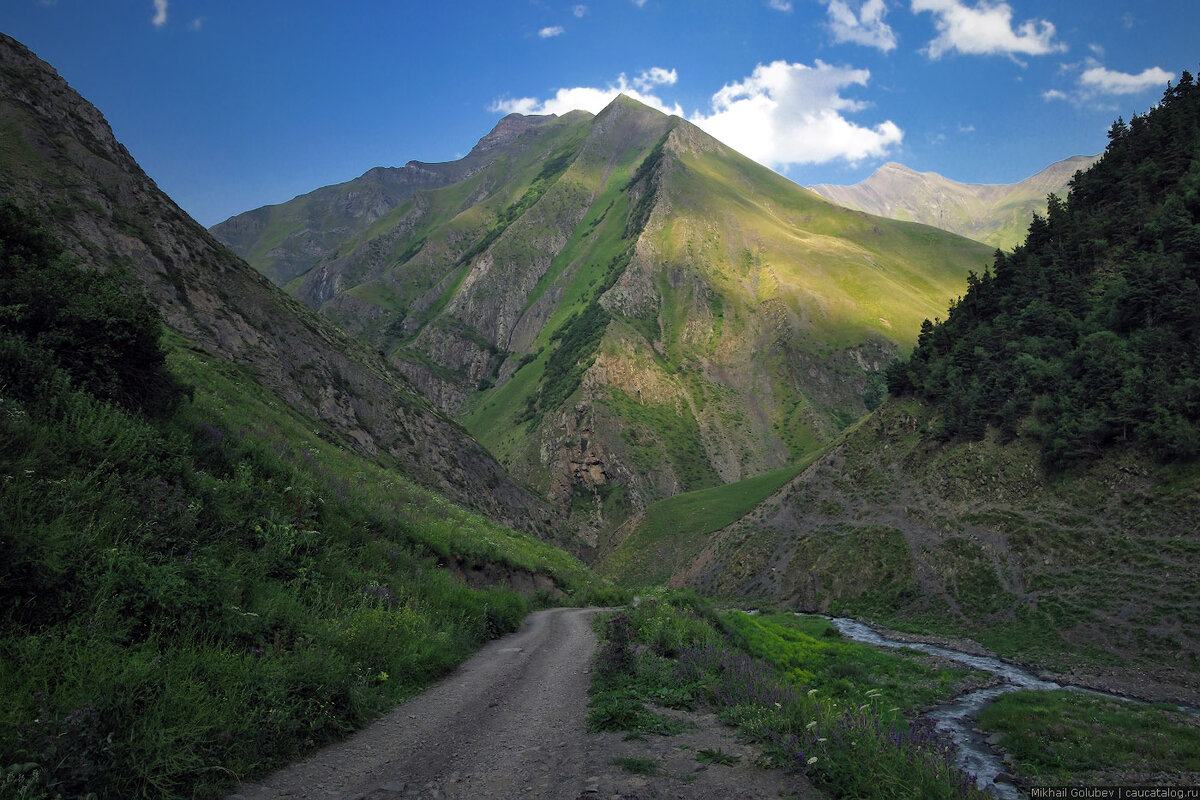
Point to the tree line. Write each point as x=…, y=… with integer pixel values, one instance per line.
x=1087, y=335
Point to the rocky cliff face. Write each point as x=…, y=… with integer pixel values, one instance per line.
x=995, y=214
x=61, y=157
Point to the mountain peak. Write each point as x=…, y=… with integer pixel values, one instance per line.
x=623, y=104
x=509, y=129
x=995, y=214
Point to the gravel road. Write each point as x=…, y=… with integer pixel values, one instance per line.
x=511, y=723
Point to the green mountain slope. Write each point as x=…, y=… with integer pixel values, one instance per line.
x=60, y=157
x=995, y=214
x=621, y=308
x=211, y=558
x=1035, y=486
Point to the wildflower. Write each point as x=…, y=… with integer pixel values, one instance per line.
x=811, y=725
x=812, y=760
x=812, y=692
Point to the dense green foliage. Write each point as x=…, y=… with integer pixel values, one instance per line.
x=201, y=595
x=846, y=735
x=1089, y=333
x=87, y=324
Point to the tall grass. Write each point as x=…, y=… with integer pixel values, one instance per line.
x=198, y=598
x=674, y=651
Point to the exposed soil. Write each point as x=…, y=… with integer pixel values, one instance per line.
x=511, y=723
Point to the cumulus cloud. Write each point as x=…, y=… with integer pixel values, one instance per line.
x=552, y=31
x=985, y=29
x=1098, y=80
x=782, y=114
x=1098, y=84
x=197, y=24
x=786, y=114
x=864, y=26
x=580, y=11
x=160, y=13
x=780, y=5
x=594, y=99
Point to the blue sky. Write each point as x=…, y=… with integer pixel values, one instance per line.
x=233, y=105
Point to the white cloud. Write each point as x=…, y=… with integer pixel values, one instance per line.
x=595, y=99
x=655, y=76
x=1097, y=84
x=782, y=114
x=197, y=24
x=552, y=31
x=1098, y=80
x=985, y=29
x=160, y=13
x=865, y=27
x=639, y=3
x=786, y=114
x=580, y=11
x=780, y=5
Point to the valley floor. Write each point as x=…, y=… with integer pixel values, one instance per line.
x=511, y=723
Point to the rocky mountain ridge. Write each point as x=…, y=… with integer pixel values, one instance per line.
x=995, y=214
x=622, y=308
x=61, y=157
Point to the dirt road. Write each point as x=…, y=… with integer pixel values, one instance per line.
x=511, y=723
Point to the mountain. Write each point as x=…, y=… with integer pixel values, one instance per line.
x=60, y=157
x=1034, y=481
x=619, y=306
x=211, y=560
x=995, y=214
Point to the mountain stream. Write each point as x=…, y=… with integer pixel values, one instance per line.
x=956, y=717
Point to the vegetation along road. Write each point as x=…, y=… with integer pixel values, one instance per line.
x=511, y=723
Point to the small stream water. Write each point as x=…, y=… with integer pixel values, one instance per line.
x=957, y=717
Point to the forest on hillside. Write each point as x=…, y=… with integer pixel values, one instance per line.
x=1087, y=335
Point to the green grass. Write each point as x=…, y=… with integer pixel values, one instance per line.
x=1060, y=738
x=709, y=755
x=811, y=654
x=206, y=596
x=674, y=650
x=676, y=529
x=658, y=434
x=637, y=765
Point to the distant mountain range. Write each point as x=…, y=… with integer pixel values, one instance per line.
x=618, y=306
x=997, y=215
